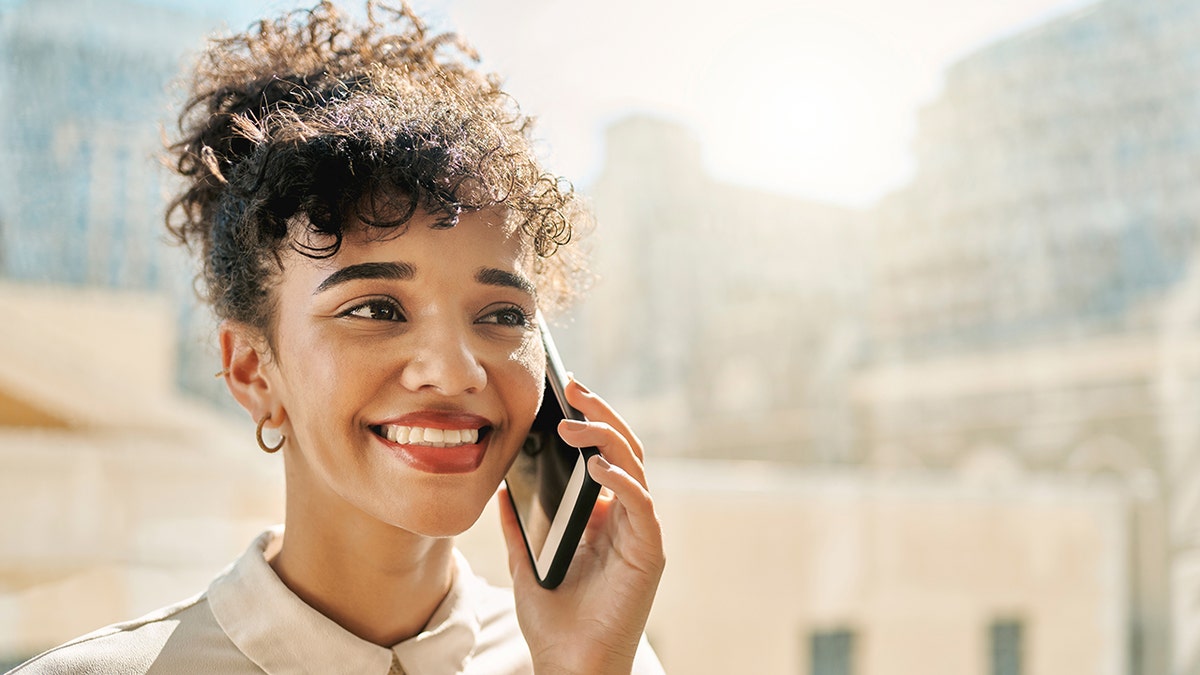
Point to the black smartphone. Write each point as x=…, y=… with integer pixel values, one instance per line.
x=548, y=483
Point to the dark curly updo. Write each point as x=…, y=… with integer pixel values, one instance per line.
x=307, y=125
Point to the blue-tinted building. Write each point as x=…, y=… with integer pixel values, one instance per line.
x=1055, y=190
x=83, y=102
x=88, y=91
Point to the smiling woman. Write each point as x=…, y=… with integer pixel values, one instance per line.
x=377, y=237
x=396, y=333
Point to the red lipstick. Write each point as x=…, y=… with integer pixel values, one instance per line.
x=439, y=419
x=452, y=454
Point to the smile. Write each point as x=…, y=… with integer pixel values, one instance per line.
x=432, y=450
x=427, y=436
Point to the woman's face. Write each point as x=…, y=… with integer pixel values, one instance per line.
x=409, y=369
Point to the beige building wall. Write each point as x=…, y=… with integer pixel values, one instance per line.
x=117, y=495
x=917, y=566
x=103, y=528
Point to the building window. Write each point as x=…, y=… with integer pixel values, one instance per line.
x=1005, y=638
x=831, y=652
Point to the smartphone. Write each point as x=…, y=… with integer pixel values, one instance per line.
x=548, y=483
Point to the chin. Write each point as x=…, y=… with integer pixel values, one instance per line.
x=442, y=520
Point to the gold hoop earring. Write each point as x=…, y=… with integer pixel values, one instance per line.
x=258, y=435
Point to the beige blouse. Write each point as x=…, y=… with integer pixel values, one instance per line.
x=248, y=621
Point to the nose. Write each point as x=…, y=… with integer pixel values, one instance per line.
x=442, y=360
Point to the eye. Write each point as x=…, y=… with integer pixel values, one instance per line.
x=378, y=309
x=511, y=316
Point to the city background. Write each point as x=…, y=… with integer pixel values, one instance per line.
x=930, y=411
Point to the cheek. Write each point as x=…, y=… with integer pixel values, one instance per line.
x=530, y=355
x=311, y=373
x=528, y=364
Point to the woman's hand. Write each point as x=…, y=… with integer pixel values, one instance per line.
x=593, y=621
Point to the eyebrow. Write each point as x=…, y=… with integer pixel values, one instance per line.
x=494, y=277
x=373, y=270
x=400, y=271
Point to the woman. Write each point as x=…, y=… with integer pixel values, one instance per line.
x=376, y=236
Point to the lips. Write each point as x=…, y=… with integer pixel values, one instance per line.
x=437, y=442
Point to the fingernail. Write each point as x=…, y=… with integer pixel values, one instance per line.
x=575, y=425
x=580, y=385
x=602, y=464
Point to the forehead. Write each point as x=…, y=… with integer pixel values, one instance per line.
x=479, y=240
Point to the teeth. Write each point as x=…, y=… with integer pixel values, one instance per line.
x=438, y=438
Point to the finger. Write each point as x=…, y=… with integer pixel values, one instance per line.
x=595, y=408
x=608, y=441
x=638, y=505
x=513, y=539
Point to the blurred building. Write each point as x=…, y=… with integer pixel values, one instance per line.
x=785, y=569
x=87, y=97
x=81, y=124
x=731, y=323
x=120, y=495
x=1032, y=306
x=1053, y=197
x=1023, y=281
x=726, y=316
x=793, y=570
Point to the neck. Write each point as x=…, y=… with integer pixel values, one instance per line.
x=377, y=581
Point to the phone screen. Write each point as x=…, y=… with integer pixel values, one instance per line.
x=548, y=483
x=538, y=479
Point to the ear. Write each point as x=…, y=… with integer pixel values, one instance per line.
x=246, y=358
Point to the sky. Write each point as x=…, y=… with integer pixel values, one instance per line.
x=814, y=99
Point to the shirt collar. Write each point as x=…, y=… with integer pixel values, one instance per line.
x=281, y=634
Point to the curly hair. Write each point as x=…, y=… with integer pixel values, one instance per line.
x=305, y=124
